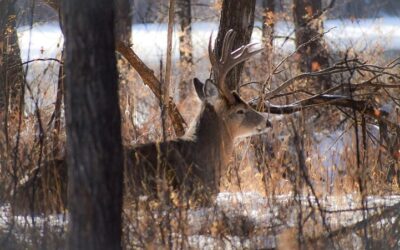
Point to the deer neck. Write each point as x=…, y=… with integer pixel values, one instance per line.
x=211, y=134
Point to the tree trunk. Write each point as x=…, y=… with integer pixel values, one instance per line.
x=239, y=16
x=11, y=70
x=314, y=56
x=268, y=22
x=185, y=48
x=57, y=108
x=261, y=151
x=268, y=32
x=123, y=21
x=94, y=150
x=123, y=34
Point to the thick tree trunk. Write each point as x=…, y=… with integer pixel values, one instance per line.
x=314, y=56
x=93, y=126
x=239, y=16
x=11, y=70
x=185, y=48
x=123, y=21
x=123, y=34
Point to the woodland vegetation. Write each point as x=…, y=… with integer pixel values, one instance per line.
x=323, y=171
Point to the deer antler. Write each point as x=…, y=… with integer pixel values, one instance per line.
x=229, y=60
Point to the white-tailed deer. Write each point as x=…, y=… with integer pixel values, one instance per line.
x=194, y=163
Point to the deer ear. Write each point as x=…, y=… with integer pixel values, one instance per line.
x=210, y=90
x=199, y=87
x=206, y=91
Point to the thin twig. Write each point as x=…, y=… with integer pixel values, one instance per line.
x=36, y=60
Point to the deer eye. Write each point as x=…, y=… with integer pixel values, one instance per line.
x=240, y=112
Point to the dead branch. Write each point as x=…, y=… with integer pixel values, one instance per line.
x=361, y=106
x=54, y=4
x=153, y=83
x=387, y=213
x=276, y=70
x=365, y=107
x=37, y=60
x=340, y=67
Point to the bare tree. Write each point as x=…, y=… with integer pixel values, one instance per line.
x=185, y=47
x=123, y=21
x=313, y=56
x=268, y=21
x=123, y=34
x=268, y=32
x=11, y=70
x=94, y=151
x=239, y=16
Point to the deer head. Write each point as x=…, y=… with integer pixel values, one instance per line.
x=239, y=118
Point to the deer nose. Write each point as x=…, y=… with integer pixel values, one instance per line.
x=269, y=124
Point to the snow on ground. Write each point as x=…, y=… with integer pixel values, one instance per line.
x=150, y=40
x=257, y=211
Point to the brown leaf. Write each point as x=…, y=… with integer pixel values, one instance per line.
x=309, y=11
x=315, y=66
x=269, y=18
x=377, y=112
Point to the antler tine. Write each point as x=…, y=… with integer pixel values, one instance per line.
x=216, y=66
x=220, y=70
x=243, y=53
x=211, y=54
x=227, y=45
x=228, y=60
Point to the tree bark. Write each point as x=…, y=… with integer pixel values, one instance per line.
x=94, y=150
x=239, y=16
x=123, y=33
x=11, y=70
x=308, y=25
x=57, y=108
x=185, y=48
x=123, y=21
x=268, y=32
x=268, y=22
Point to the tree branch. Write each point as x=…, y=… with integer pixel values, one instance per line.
x=385, y=214
x=37, y=60
x=153, y=83
x=361, y=106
